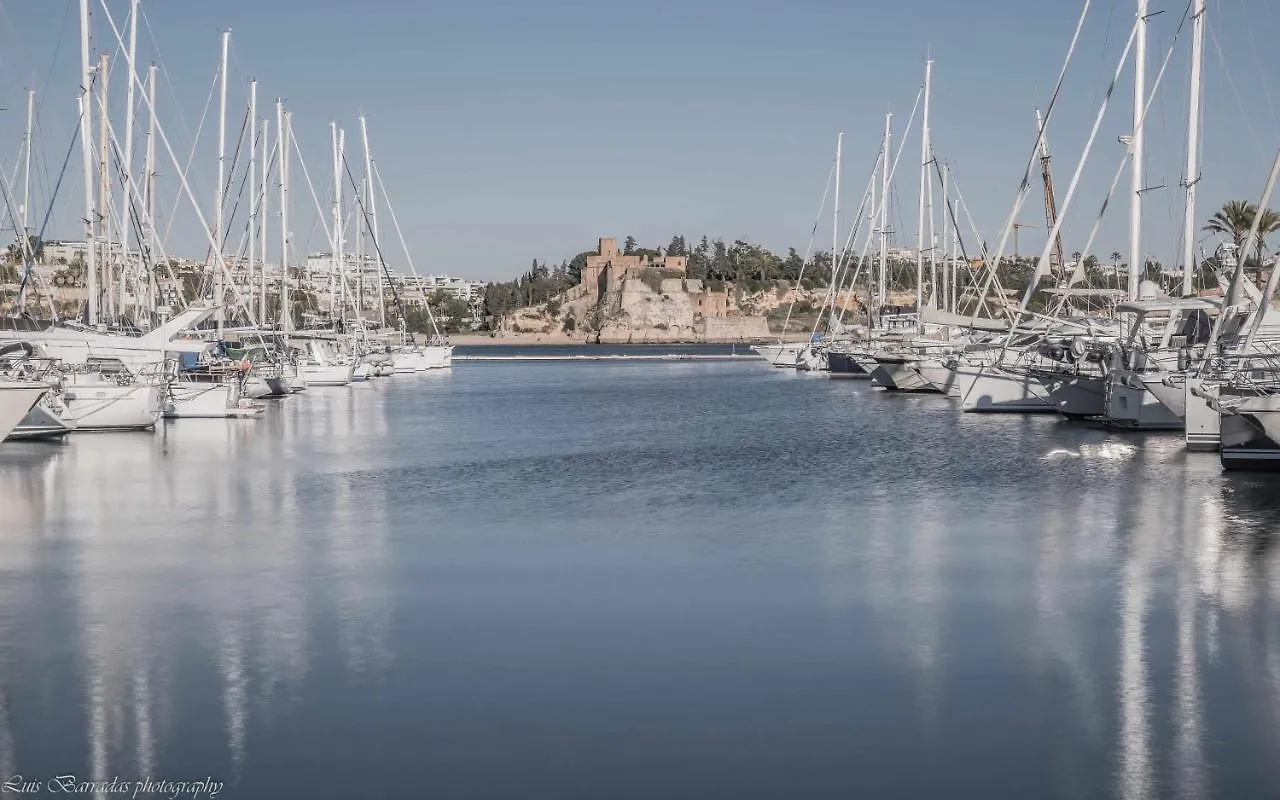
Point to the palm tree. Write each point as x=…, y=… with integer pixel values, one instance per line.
x=1236, y=219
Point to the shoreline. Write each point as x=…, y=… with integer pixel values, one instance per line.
x=551, y=339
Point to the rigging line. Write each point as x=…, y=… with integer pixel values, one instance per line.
x=1142, y=118
x=1235, y=91
x=1043, y=262
x=1262, y=74
x=1025, y=186
x=57, y=50
x=368, y=223
x=333, y=247
x=191, y=156
x=168, y=146
x=164, y=70
x=408, y=257
x=812, y=236
x=48, y=214
x=229, y=219
x=847, y=259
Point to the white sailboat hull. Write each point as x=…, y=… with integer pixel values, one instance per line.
x=257, y=387
x=405, y=362
x=326, y=374
x=16, y=400
x=1251, y=434
x=1131, y=405
x=779, y=355
x=44, y=421
x=111, y=407
x=987, y=388
x=1073, y=396
x=438, y=356
x=201, y=400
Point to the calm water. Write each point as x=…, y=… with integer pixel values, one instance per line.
x=638, y=580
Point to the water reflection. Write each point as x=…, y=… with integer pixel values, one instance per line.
x=1096, y=608
x=206, y=549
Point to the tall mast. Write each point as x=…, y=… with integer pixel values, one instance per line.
x=372, y=207
x=253, y=186
x=336, y=273
x=361, y=243
x=1193, y=147
x=835, y=214
x=104, y=187
x=262, y=219
x=26, y=170
x=26, y=196
x=85, y=106
x=924, y=177
x=282, y=156
x=149, y=259
x=1137, y=152
x=882, y=294
x=128, y=217
x=220, y=264
x=1056, y=258
x=946, y=244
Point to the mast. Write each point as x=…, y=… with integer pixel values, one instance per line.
x=946, y=243
x=104, y=187
x=1137, y=152
x=372, y=207
x=835, y=214
x=924, y=178
x=1193, y=147
x=128, y=217
x=1056, y=258
x=282, y=156
x=253, y=185
x=26, y=199
x=335, y=274
x=262, y=238
x=881, y=294
x=219, y=290
x=26, y=172
x=150, y=184
x=85, y=106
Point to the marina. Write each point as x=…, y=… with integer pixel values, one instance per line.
x=947, y=501
x=742, y=568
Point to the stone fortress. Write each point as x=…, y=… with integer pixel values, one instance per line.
x=651, y=294
x=641, y=297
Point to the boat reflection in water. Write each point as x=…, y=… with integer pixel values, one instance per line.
x=184, y=568
x=587, y=560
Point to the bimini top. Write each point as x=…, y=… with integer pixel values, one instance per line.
x=1168, y=304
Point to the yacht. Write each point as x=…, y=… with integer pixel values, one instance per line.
x=17, y=398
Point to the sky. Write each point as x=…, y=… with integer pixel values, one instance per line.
x=507, y=130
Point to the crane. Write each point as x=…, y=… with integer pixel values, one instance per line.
x=1017, y=226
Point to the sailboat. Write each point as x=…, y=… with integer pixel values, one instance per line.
x=17, y=398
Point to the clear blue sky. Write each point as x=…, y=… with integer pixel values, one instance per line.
x=509, y=130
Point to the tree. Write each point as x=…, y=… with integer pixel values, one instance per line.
x=1236, y=219
x=677, y=247
x=700, y=261
x=629, y=246
x=719, y=268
